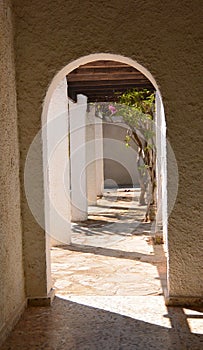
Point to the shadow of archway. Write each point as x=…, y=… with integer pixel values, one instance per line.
x=72, y=326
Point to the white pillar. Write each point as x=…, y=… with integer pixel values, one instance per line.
x=99, y=156
x=57, y=203
x=161, y=219
x=77, y=112
x=158, y=165
x=91, y=157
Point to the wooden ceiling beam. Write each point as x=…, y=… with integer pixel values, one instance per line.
x=107, y=77
x=105, y=70
x=99, y=80
x=100, y=92
x=111, y=83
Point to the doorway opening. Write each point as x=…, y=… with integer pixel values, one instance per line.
x=105, y=236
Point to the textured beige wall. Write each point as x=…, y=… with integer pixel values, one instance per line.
x=12, y=294
x=164, y=37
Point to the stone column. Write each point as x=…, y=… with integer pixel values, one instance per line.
x=77, y=113
x=91, y=157
x=99, y=156
x=58, y=182
x=161, y=217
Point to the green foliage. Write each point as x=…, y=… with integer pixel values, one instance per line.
x=141, y=100
x=127, y=141
x=137, y=109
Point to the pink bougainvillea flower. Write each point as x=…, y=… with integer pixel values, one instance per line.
x=112, y=109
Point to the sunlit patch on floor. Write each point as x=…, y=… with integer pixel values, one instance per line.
x=147, y=309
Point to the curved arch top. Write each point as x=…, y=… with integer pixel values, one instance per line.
x=87, y=59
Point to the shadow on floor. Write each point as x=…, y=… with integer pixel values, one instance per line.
x=102, y=228
x=73, y=326
x=120, y=207
x=115, y=253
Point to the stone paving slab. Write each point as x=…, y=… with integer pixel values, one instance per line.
x=110, y=253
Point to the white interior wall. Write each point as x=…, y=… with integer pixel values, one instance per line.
x=124, y=170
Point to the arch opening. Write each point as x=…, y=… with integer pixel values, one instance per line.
x=59, y=81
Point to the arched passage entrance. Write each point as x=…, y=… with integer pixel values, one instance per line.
x=49, y=145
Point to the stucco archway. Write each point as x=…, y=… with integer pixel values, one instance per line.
x=160, y=118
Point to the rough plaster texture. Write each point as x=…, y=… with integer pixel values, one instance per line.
x=12, y=295
x=164, y=37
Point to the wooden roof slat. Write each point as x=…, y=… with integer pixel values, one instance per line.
x=100, y=80
x=105, y=70
x=92, y=92
x=99, y=77
x=106, y=83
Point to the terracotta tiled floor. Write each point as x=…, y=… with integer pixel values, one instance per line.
x=109, y=290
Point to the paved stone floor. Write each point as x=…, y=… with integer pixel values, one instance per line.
x=110, y=253
x=109, y=290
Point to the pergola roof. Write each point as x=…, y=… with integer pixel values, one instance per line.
x=100, y=80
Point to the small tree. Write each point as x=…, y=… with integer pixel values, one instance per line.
x=139, y=116
x=137, y=111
